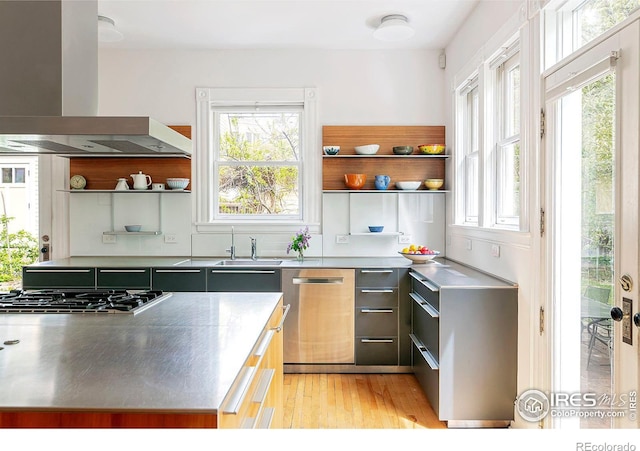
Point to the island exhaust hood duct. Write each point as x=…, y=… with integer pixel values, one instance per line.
x=49, y=88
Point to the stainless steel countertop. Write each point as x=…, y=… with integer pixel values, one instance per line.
x=180, y=355
x=447, y=273
x=199, y=262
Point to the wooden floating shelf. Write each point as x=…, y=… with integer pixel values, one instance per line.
x=385, y=156
x=123, y=191
x=389, y=191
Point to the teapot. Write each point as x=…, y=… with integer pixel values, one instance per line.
x=140, y=180
x=122, y=185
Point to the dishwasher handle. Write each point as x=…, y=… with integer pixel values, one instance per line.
x=317, y=280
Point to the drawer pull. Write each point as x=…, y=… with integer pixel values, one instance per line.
x=246, y=271
x=424, y=352
x=377, y=271
x=122, y=270
x=286, y=309
x=376, y=310
x=58, y=270
x=266, y=418
x=424, y=305
x=425, y=282
x=238, y=394
x=376, y=291
x=262, y=348
x=309, y=280
x=177, y=271
x=376, y=340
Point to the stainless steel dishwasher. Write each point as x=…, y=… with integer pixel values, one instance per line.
x=320, y=326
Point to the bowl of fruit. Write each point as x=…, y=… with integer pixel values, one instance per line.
x=418, y=254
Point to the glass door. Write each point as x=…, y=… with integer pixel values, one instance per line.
x=592, y=193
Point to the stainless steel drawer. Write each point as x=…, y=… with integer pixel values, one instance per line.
x=376, y=322
x=376, y=351
x=377, y=297
x=425, y=289
x=427, y=375
x=426, y=324
x=124, y=278
x=376, y=277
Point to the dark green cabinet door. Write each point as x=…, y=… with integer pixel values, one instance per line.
x=34, y=278
x=124, y=278
x=258, y=280
x=171, y=279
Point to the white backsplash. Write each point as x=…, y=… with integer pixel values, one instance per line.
x=418, y=217
x=91, y=214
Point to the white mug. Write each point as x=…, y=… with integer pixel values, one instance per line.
x=157, y=186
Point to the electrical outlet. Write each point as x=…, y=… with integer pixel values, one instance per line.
x=469, y=245
x=495, y=250
x=170, y=238
x=404, y=239
x=109, y=239
x=342, y=239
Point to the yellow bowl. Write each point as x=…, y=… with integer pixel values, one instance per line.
x=434, y=184
x=431, y=149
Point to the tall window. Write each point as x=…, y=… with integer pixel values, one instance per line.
x=507, y=129
x=470, y=138
x=257, y=161
x=255, y=151
x=570, y=24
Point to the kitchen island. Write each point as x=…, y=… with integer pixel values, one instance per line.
x=176, y=364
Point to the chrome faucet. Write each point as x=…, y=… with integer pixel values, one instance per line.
x=254, y=250
x=232, y=249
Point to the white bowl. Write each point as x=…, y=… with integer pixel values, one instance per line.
x=177, y=183
x=408, y=185
x=420, y=258
x=132, y=228
x=369, y=149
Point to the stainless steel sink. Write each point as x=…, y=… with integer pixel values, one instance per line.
x=249, y=262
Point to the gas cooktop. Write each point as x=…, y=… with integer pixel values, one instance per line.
x=81, y=301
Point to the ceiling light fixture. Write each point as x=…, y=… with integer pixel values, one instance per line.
x=394, y=27
x=107, y=31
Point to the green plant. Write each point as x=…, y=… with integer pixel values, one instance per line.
x=16, y=250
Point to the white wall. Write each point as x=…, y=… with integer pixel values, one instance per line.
x=481, y=35
x=355, y=88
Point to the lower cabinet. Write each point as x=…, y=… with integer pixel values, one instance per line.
x=464, y=345
x=179, y=279
x=34, y=278
x=376, y=316
x=256, y=397
x=124, y=278
x=259, y=280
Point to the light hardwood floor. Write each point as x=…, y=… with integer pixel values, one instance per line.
x=356, y=401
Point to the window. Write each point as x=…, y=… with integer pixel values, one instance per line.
x=507, y=131
x=11, y=175
x=254, y=151
x=488, y=121
x=570, y=24
x=257, y=162
x=469, y=135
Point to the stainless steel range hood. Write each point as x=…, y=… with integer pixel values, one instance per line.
x=90, y=136
x=48, y=87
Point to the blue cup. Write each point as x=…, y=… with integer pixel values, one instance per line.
x=382, y=181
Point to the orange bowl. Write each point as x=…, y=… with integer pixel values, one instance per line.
x=355, y=181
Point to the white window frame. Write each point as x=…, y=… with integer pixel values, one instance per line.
x=205, y=182
x=500, y=65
